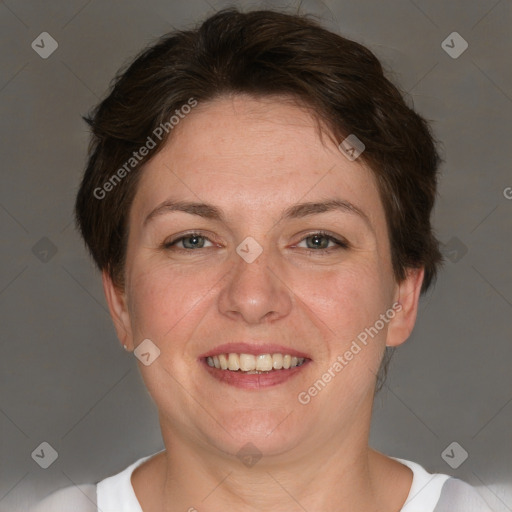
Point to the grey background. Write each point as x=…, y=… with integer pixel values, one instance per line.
x=65, y=379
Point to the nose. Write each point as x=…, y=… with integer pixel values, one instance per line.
x=256, y=292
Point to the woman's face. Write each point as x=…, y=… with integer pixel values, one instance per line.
x=250, y=267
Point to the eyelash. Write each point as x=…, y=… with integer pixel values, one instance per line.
x=340, y=243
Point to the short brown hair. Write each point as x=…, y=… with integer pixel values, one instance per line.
x=263, y=53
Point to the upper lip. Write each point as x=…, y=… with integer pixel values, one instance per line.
x=254, y=348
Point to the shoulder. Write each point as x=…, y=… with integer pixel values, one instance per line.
x=116, y=492
x=439, y=492
x=80, y=498
x=112, y=493
x=457, y=495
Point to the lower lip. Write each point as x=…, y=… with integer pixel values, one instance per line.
x=253, y=380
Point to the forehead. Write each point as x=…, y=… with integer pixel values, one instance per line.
x=250, y=155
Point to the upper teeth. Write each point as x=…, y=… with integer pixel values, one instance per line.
x=249, y=362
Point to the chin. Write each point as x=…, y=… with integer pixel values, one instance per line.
x=265, y=432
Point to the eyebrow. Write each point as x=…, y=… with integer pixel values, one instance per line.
x=296, y=211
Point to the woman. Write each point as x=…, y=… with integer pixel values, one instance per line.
x=258, y=199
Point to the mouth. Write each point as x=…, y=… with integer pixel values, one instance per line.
x=253, y=366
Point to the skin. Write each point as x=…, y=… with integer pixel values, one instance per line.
x=253, y=158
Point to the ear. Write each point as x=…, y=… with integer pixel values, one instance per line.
x=408, y=294
x=118, y=311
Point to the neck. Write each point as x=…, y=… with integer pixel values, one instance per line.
x=340, y=474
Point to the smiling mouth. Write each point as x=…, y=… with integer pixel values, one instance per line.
x=254, y=364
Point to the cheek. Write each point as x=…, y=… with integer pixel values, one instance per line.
x=352, y=305
x=351, y=298
x=167, y=306
x=166, y=302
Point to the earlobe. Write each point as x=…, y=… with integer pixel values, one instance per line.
x=118, y=311
x=408, y=294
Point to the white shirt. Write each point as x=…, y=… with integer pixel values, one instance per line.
x=429, y=492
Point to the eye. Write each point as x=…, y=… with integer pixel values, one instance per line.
x=189, y=241
x=320, y=243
